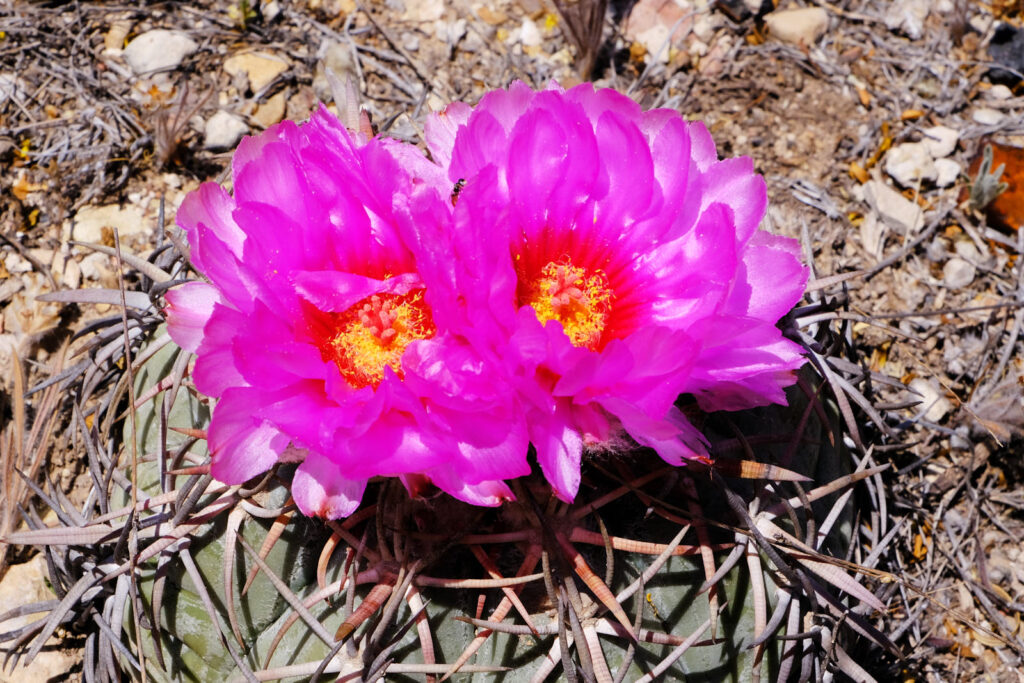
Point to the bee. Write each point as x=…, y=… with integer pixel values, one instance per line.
x=459, y=184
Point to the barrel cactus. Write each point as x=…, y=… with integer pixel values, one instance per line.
x=732, y=567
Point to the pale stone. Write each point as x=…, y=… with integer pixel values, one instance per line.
x=529, y=34
x=90, y=221
x=872, y=234
x=933, y=399
x=947, y=171
x=907, y=16
x=896, y=210
x=423, y=11
x=158, y=50
x=999, y=92
x=223, y=130
x=271, y=111
x=988, y=117
x=259, y=68
x=958, y=273
x=24, y=584
x=910, y=163
x=940, y=140
x=797, y=26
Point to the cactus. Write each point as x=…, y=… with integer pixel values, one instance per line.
x=728, y=570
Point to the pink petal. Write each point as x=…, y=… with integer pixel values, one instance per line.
x=241, y=446
x=189, y=307
x=320, y=489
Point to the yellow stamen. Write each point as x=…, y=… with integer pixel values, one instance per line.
x=374, y=333
x=581, y=301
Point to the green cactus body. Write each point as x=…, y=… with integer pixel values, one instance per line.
x=193, y=643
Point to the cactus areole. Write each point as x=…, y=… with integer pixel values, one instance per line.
x=550, y=279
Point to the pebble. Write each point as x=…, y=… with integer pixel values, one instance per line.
x=223, y=130
x=422, y=11
x=158, y=50
x=872, y=234
x=907, y=16
x=24, y=584
x=958, y=273
x=910, y=163
x=947, y=171
x=259, y=68
x=999, y=92
x=988, y=117
x=896, y=210
x=940, y=140
x=113, y=39
x=91, y=220
x=271, y=111
x=529, y=34
x=11, y=87
x=933, y=399
x=95, y=266
x=797, y=26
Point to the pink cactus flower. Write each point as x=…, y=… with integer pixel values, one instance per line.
x=322, y=337
x=622, y=264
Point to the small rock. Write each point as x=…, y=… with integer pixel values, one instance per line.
x=529, y=34
x=90, y=221
x=271, y=111
x=797, y=26
x=896, y=210
x=300, y=105
x=95, y=266
x=907, y=16
x=158, y=50
x=260, y=68
x=423, y=11
x=270, y=9
x=958, y=273
x=910, y=163
x=11, y=87
x=24, y=584
x=947, y=171
x=988, y=117
x=872, y=234
x=999, y=92
x=933, y=399
x=223, y=130
x=940, y=140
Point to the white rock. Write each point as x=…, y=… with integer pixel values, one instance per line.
x=223, y=130
x=947, y=171
x=158, y=50
x=907, y=16
x=940, y=140
x=872, y=233
x=21, y=585
x=797, y=26
x=896, y=210
x=933, y=399
x=958, y=273
x=910, y=163
x=967, y=251
x=988, y=117
x=999, y=92
x=529, y=34
x=95, y=266
x=91, y=220
x=259, y=68
x=423, y=11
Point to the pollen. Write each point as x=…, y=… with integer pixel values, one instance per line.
x=374, y=333
x=578, y=299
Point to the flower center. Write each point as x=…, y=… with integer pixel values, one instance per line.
x=580, y=300
x=373, y=334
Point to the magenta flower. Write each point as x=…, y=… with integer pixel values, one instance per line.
x=325, y=329
x=621, y=264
